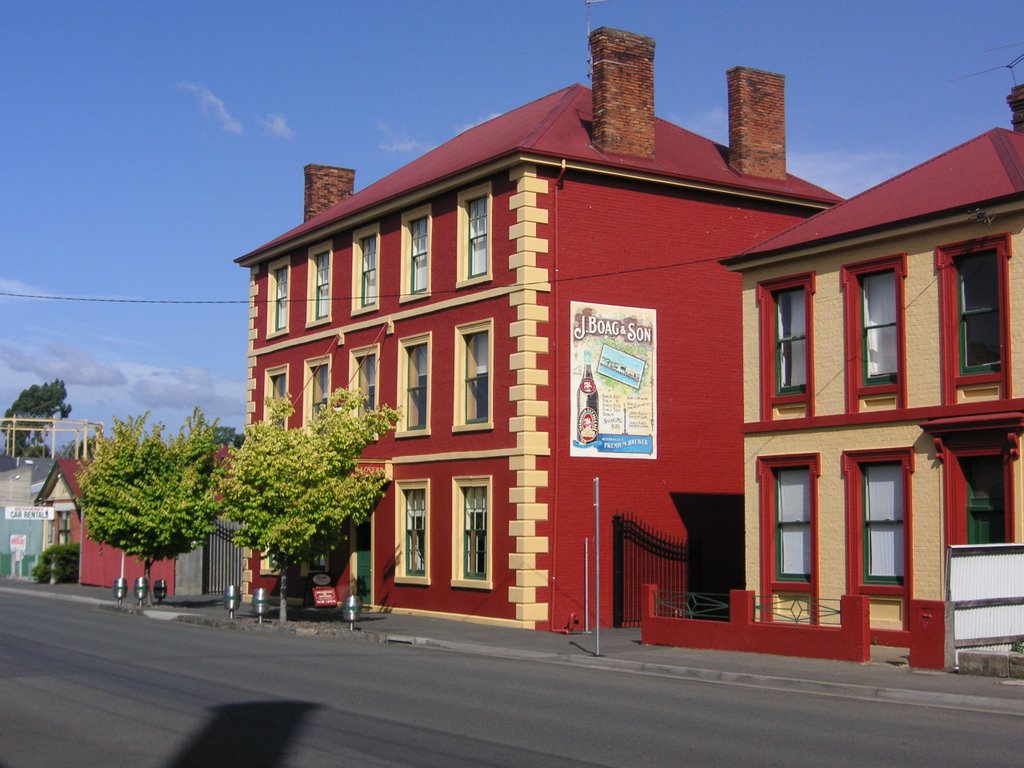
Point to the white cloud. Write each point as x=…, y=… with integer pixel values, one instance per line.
x=848, y=173
x=276, y=125
x=399, y=143
x=213, y=107
x=60, y=361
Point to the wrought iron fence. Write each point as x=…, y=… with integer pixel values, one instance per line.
x=642, y=556
x=683, y=604
x=692, y=605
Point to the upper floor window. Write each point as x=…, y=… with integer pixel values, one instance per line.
x=318, y=386
x=474, y=246
x=472, y=372
x=414, y=384
x=319, y=284
x=278, y=288
x=416, y=253
x=786, y=342
x=874, y=330
x=364, y=363
x=978, y=294
x=365, y=266
x=975, y=331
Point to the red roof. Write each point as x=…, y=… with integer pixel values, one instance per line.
x=985, y=169
x=557, y=126
x=70, y=468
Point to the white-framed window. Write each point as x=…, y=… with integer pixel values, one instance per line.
x=275, y=386
x=277, y=285
x=474, y=233
x=793, y=523
x=363, y=376
x=473, y=364
x=318, y=300
x=366, y=269
x=414, y=385
x=412, y=528
x=883, y=522
x=416, y=254
x=471, y=547
x=317, y=386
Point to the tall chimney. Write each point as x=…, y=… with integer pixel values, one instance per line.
x=1016, y=102
x=757, y=122
x=325, y=186
x=623, y=92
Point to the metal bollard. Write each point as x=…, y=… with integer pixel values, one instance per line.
x=350, y=608
x=232, y=599
x=120, y=589
x=141, y=589
x=160, y=590
x=260, y=603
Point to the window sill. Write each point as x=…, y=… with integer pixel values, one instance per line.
x=318, y=322
x=399, y=434
x=469, y=282
x=410, y=297
x=481, y=584
x=422, y=581
x=482, y=426
x=361, y=310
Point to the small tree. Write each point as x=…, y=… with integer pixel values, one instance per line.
x=151, y=498
x=291, y=489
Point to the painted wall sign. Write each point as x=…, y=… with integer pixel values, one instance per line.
x=614, y=381
x=28, y=513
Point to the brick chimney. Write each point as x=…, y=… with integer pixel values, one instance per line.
x=757, y=122
x=623, y=92
x=325, y=186
x=1016, y=102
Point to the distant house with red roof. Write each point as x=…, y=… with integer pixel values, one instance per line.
x=884, y=405
x=542, y=298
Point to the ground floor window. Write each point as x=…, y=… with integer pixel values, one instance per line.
x=471, y=546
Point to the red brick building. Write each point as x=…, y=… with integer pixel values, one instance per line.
x=541, y=296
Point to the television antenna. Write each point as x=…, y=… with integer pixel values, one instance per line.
x=1010, y=66
x=590, y=60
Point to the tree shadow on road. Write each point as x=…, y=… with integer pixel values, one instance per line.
x=253, y=734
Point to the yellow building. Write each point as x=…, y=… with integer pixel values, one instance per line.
x=883, y=404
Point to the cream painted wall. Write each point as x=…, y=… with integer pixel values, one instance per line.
x=921, y=304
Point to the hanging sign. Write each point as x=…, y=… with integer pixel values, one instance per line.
x=28, y=513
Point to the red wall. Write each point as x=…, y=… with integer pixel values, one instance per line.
x=610, y=242
x=100, y=565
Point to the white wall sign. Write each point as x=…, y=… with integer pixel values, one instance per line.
x=28, y=513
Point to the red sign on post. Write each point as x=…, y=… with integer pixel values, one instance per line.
x=325, y=597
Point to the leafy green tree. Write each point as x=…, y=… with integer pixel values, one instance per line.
x=292, y=489
x=150, y=497
x=40, y=401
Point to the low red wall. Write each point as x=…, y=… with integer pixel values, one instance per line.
x=928, y=635
x=100, y=565
x=849, y=642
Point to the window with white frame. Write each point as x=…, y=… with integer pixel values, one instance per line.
x=319, y=270
x=414, y=384
x=364, y=376
x=790, y=341
x=278, y=288
x=416, y=254
x=472, y=375
x=365, y=269
x=318, y=385
x=276, y=384
x=415, y=531
x=474, y=233
x=472, y=549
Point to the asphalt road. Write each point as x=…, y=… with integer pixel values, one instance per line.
x=87, y=687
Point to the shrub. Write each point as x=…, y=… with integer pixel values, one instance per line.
x=58, y=563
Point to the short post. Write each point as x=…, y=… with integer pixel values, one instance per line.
x=160, y=590
x=141, y=589
x=350, y=609
x=120, y=589
x=260, y=603
x=231, y=600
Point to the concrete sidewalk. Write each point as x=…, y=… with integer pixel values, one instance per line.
x=885, y=678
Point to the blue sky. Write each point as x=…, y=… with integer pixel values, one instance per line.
x=145, y=146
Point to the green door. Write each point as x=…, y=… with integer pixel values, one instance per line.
x=364, y=562
x=986, y=515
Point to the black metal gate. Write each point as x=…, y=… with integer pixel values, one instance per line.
x=641, y=556
x=222, y=560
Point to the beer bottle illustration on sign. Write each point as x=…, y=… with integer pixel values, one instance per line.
x=587, y=405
